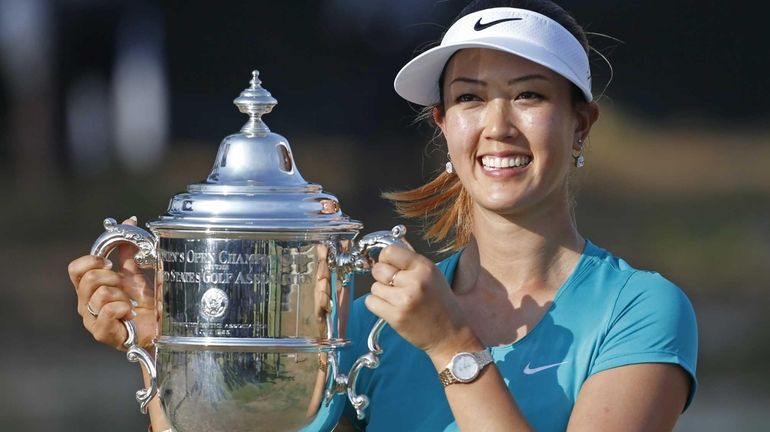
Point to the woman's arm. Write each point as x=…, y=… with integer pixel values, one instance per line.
x=158, y=420
x=485, y=404
x=110, y=294
x=640, y=397
x=632, y=398
x=413, y=296
x=418, y=303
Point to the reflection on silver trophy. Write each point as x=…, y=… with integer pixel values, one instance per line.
x=252, y=268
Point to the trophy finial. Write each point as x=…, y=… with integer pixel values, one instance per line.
x=255, y=79
x=255, y=101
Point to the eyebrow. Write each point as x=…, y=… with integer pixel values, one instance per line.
x=510, y=82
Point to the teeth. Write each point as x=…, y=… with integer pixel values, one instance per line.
x=493, y=162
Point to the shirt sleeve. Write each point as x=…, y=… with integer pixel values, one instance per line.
x=652, y=322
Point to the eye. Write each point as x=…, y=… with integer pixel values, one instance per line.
x=529, y=95
x=467, y=97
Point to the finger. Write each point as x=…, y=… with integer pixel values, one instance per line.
x=136, y=286
x=378, y=306
x=108, y=329
x=90, y=282
x=399, y=256
x=323, y=269
x=323, y=285
x=386, y=293
x=383, y=272
x=406, y=242
x=126, y=252
x=322, y=306
x=322, y=297
x=323, y=301
x=134, y=281
x=78, y=267
x=343, y=312
x=106, y=294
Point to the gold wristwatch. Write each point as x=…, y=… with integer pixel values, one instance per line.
x=465, y=367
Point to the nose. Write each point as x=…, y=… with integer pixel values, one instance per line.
x=498, y=120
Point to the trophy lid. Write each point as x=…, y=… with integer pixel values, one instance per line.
x=255, y=184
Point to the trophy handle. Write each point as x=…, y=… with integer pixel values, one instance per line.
x=114, y=235
x=361, y=260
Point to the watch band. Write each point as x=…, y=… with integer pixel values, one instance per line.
x=446, y=377
x=483, y=358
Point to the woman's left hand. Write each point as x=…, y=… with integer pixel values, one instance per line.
x=412, y=295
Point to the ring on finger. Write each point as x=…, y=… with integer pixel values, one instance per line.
x=91, y=310
x=393, y=278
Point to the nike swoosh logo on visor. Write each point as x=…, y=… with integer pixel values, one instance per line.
x=479, y=26
x=531, y=371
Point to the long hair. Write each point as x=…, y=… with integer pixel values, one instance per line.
x=444, y=206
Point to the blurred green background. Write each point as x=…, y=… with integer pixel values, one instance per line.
x=108, y=108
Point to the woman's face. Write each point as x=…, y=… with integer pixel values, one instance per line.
x=511, y=128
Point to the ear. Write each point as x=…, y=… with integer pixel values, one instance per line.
x=438, y=117
x=586, y=115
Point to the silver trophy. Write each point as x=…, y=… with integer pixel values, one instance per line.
x=252, y=272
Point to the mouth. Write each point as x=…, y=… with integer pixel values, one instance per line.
x=500, y=163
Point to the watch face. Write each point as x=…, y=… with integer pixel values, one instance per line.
x=465, y=367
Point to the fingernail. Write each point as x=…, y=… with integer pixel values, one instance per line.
x=134, y=303
x=107, y=264
x=133, y=312
x=134, y=218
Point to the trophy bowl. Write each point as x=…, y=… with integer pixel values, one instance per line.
x=253, y=270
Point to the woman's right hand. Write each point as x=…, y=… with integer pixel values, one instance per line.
x=120, y=294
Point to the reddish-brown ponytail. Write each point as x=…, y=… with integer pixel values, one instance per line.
x=444, y=206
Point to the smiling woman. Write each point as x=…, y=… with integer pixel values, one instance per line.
x=527, y=326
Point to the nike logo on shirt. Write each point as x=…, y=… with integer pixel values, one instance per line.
x=479, y=26
x=531, y=371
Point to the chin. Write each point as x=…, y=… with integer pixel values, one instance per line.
x=502, y=206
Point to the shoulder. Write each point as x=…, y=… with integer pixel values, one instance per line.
x=643, y=293
x=628, y=286
x=650, y=310
x=659, y=310
x=650, y=319
x=655, y=291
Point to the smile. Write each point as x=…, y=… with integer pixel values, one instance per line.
x=492, y=163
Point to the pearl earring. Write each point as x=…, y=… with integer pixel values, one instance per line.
x=580, y=161
x=449, y=167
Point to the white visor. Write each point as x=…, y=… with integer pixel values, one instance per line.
x=521, y=32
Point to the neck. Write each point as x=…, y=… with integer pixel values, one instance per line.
x=522, y=254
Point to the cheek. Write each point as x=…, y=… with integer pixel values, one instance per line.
x=551, y=134
x=459, y=131
x=530, y=120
